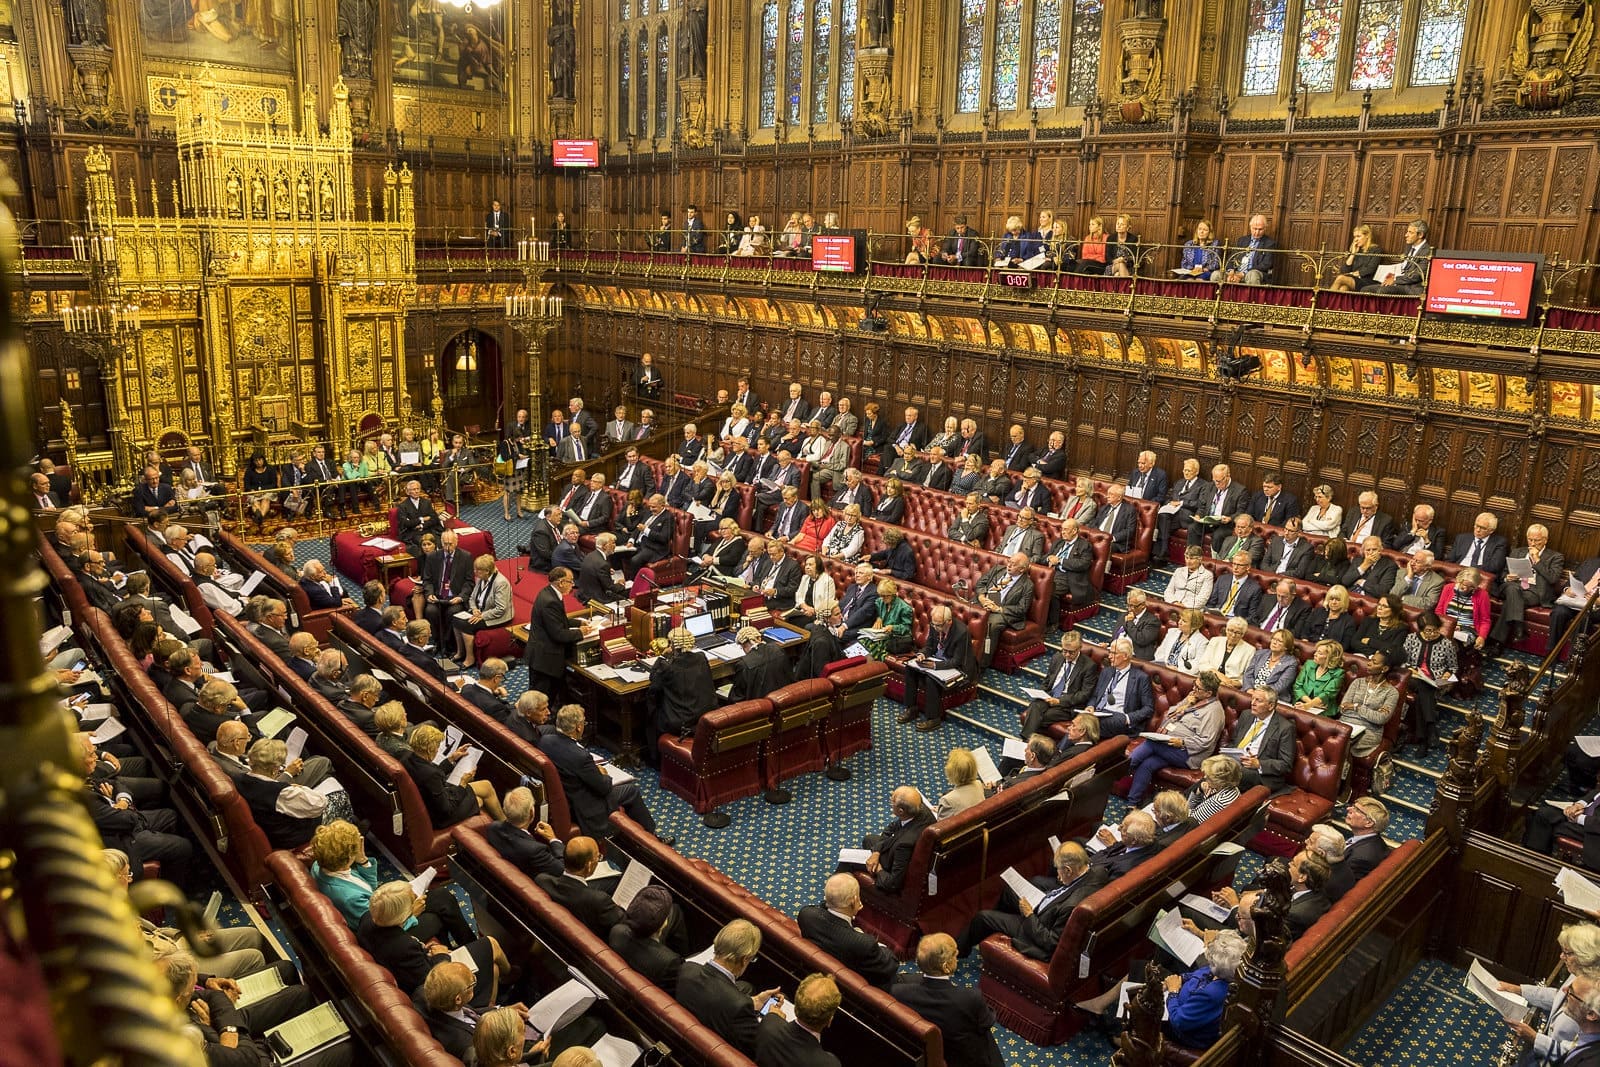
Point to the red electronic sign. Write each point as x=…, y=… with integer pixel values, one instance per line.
x=834, y=251
x=575, y=153
x=1500, y=287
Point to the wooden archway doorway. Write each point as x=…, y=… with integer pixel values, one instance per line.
x=469, y=381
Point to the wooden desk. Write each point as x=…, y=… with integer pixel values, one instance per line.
x=394, y=566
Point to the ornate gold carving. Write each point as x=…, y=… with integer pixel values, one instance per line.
x=1551, y=49
x=160, y=370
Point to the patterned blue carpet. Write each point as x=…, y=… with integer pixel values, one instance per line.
x=1428, y=1017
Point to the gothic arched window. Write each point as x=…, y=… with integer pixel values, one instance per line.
x=645, y=83
x=798, y=45
x=1350, y=44
x=663, y=77
x=992, y=41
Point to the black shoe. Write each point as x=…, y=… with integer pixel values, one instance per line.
x=927, y=726
x=905, y=716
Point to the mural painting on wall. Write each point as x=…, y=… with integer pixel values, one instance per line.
x=440, y=45
x=239, y=33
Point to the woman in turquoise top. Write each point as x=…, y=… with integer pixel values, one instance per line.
x=347, y=877
x=894, y=616
x=355, y=467
x=1316, y=687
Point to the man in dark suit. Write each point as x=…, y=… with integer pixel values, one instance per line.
x=1030, y=494
x=1188, y=494
x=949, y=647
x=855, y=491
x=495, y=223
x=152, y=495
x=962, y=248
x=1268, y=743
x=1237, y=592
x=1017, y=452
x=365, y=693
x=1052, y=461
x=533, y=848
x=487, y=692
x=374, y=600
x=963, y=1017
x=1140, y=625
x=858, y=602
x=43, y=499
x=1284, y=611
x=763, y=668
x=1289, y=554
x=782, y=578
x=910, y=467
x=1308, y=875
x=529, y=718
x=1149, y=479
x=743, y=394
x=799, y=1043
x=939, y=475
x=594, y=573
x=1412, y=277
x=1371, y=573
x=694, y=231
x=1423, y=533
x=582, y=423
x=1241, y=538
x=913, y=432
x=713, y=993
x=594, y=514
x=1482, y=548
x=568, y=554
x=1036, y=929
x=892, y=847
x=1273, y=504
x=1070, y=560
x=304, y=660
x=1539, y=589
x=446, y=581
x=1006, y=593
x=832, y=927
x=419, y=651
x=1136, y=843
x=591, y=794
x=1365, y=520
x=60, y=484
x=588, y=903
x=551, y=637
x=1252, y=260
x=1123, y=700
x=640, y=939
x=1220, y=501
x=636, y=474
x=653, y=540
x=1366, y=848
x=971, y=524
x=271, y=629
x=393, y=631
x=542, y=540
x=1071, y=683
x=1119, y=519
x=415, y=517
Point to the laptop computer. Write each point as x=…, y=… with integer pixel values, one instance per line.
x=703, y=628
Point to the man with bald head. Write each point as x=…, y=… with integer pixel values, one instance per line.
x=1219, y=503
x=653, y=539
x=892, y=847
x=589, y=902
x=1006, y=592
x=1034, y=931
x=832, y=927
x=233, y=741
x=964, y=1019
x=1547, y=580
x=1253, y=260
x=949, y=647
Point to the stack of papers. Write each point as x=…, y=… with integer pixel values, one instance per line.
x=51, y=640
x=1483, y=985
x=254, y=987
x=304, y=1034
x=561, y=1007
x=273, y=722
x=465, y=765
x=857, y=856
x=385, y=543
x=1024, y=889
x=1094, y=844
x=635, y=878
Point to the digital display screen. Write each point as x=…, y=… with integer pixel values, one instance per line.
x=1489, y=286
x=575, y=153
x=834, y=251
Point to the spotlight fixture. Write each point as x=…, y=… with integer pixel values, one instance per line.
x=1230, y=364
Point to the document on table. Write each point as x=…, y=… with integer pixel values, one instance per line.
x=420, y=884
x=272, y=723
x=388, y=544
x=1024, y=889
x=988, y=773
x=465, y=765
x=858, y=856
x=296, y=743
x=561, y=1007
x=1486, y=987
x=1205, y=906
x=307, y=1032
x=1168, y=932
x=1577, y=891
x=634, y=878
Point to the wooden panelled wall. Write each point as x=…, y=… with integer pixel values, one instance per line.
x=1460, y=463
x=1504, y=187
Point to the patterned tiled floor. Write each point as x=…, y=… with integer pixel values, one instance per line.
x=784, y=853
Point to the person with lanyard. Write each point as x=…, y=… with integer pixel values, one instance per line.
x=1467, y=602
x=949, y=646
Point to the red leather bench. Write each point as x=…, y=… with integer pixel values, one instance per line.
x=1036, y=997
x=857, y=685
x=359, y=562
x=956, y=866
x=722, y=760
x=165, y=574
x=281, y=583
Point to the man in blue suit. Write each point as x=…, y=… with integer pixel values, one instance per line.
x=1123, y=700
x=694, y=230
x=1236, y=593
x=1273, y=504
x=1149, y=479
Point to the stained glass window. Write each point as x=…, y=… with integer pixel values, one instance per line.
x=626, y=11
x=969, y=56
x=624, y=76
x=1046, y=53
x=1440, y=29
x=795, y=59
x=847, y=60
x=663, y=72
x=661, y=6
x=1083, y=64
x=769, y=64
x=821, y=53
x=1007, y=55
x=1263, y=47
x=1372, y=64
x=643, y=67
x=1319, y=44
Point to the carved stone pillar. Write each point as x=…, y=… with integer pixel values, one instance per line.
x=1140, y=95
x=875, y=67
x=692, y=121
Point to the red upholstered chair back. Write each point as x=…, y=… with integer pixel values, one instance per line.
x=1322, y=747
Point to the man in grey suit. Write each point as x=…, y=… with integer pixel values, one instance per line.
x=893, y=846
x=1025, y=537
x=1006, y=592
x=1266, y=743
x=1412, y=276
x=1242, y=538
x=1419, y=585
x=1223, y=499
x=488, y=606
x=1547, y=581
